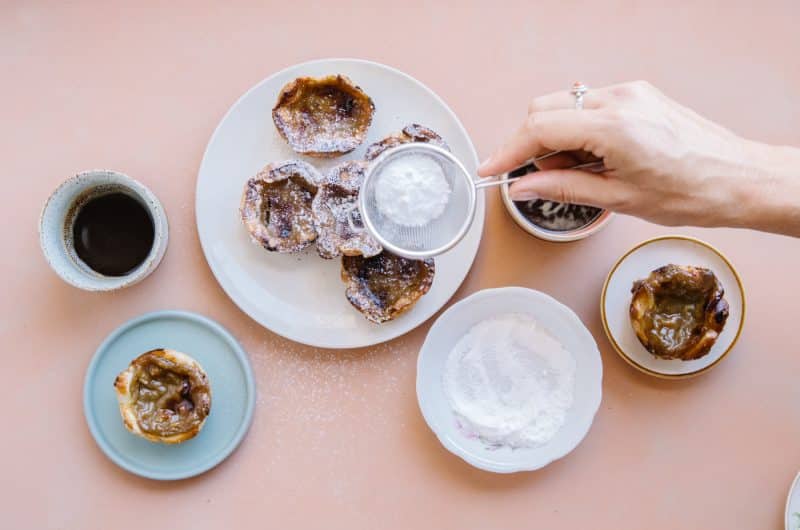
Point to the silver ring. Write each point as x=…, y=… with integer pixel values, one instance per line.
x=578, y=90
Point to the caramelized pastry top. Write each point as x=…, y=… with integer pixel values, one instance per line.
x=336, y=214
x=413, y=132
x=385, y=286
x=323, y=117
x=276, y=206
x=164, y=396
x=678, y=311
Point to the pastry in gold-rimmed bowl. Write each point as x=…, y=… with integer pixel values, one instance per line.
x=323, y=116
x=412, y=132
x=164, y=396
x=336, y=215
x=276, y=206
x=673, y=307
x=678, y=311
x=385, y=286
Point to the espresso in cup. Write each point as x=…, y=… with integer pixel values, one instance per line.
x=112, y=233
x=101, y=230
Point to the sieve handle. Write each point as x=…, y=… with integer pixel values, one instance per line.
x=489, y=182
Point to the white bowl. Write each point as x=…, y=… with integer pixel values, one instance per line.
x=58, y=214
x=562, y=323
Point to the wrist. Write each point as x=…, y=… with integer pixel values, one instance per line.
x=729, y=183
x=771, y=188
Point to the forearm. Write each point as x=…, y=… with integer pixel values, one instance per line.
x=770, y=196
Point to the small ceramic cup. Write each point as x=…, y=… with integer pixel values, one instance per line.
x=58, y=217
x=558, y=236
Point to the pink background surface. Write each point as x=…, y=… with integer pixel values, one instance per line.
x=337, y=440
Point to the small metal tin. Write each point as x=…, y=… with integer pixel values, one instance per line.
x=559, y=236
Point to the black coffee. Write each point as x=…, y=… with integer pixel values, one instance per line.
x=113, y=234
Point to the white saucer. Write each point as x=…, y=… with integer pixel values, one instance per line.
x=636, y=264
x=562, y=323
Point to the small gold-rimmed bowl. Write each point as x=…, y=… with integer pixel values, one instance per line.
x=637, y=264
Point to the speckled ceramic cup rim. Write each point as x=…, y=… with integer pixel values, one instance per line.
x=60, y=209
x=557, y=236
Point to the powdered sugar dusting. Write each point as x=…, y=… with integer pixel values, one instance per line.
x=336, y=212
x=323, y=116
x=323, y=401
x=412, y=132
x=276, y=206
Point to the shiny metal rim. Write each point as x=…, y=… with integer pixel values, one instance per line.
x=417, y=254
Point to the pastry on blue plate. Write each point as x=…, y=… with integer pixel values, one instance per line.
x=164, y=396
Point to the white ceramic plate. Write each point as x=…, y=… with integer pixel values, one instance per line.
x=301, y=296
x=562, y=323
x=636, y=264
x=793, y=505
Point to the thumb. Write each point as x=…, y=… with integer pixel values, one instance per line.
x=569, y=185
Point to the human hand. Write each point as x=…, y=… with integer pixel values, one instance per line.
x=665, y=163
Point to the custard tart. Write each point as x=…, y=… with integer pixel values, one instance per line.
x=678, y=311
x=323, y=117
x=385, y=286
x=336, y=215
x=164, y=396
x=413, y=132
x=276, y=206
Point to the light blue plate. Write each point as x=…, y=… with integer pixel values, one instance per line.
x=232, y=394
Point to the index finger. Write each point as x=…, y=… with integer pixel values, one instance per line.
x=543, y=132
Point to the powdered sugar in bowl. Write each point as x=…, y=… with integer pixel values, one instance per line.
x=551, y=385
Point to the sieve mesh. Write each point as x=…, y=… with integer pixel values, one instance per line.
x=440, y=234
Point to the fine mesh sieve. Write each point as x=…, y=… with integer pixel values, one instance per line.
x=435, y=237
x=443, y=232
